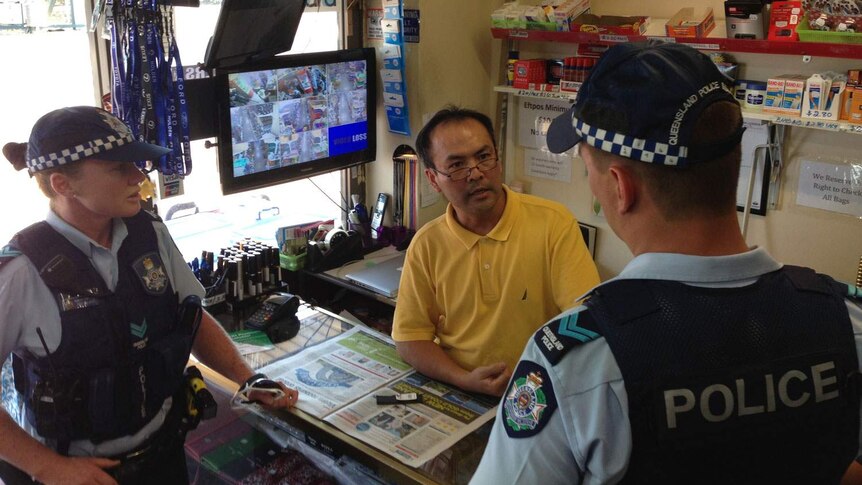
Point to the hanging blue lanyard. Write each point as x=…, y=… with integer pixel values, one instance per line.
x=148, y=88
x=179, y=113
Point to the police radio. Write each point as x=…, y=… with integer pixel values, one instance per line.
x=48, y=401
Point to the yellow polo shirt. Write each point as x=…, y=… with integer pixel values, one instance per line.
x=483, y=297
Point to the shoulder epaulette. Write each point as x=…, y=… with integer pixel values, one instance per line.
x=152, y=215
x=557, y=337
x=853, y=292
x=7, y=254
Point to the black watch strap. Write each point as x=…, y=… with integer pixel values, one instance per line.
x=252, y=380
x=259, y=380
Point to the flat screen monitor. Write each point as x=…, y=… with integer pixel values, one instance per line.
x=296, y=116
x=252, y=30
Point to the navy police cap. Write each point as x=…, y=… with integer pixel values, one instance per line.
x=71, y=134
x=642, y=101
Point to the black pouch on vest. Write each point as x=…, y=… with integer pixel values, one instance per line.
x=102, y=406
x=166, y=361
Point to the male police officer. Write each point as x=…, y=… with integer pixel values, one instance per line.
x=705, y=361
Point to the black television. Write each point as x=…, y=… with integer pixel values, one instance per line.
x=295, y=116
x=252, y=30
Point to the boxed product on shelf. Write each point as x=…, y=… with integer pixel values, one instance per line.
x=822, y=99
x=854, y=105
x=853, y=91
x=691, y=22
x=500, y=17
x=516, y=18
x=784, y=94
x=784, y=20
x=540, y=17
x=529, y=71
x=510, y=16
x=555, y=15
x=566, y=12
x=610, y=24
x=744, y=19
x=774, y=93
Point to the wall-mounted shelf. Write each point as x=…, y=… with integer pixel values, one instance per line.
x=836, y=126
x=532, y=93
x=848, y=51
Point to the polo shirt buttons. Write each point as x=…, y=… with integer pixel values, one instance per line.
x=487, y=266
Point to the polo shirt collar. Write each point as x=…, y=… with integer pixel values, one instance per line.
x=80, y=240
x=701, y=269
x=500, y=232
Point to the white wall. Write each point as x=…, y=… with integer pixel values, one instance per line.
x=450, y=65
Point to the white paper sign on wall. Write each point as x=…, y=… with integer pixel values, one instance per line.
x=830, y=186
x=534, y=117
x=544, y=164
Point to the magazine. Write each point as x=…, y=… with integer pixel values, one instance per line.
x=339, y=379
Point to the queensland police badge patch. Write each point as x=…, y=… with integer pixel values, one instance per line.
x=530, y=401
x=151, y=271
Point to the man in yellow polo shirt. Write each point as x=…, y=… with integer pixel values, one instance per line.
x=479, y=280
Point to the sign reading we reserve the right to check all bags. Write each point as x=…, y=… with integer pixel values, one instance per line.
x=836, y=187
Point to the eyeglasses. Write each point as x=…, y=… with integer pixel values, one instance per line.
x=485, y=162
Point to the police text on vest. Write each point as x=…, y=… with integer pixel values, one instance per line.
x=718, y=402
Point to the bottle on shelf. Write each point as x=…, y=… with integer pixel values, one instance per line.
x=510, y=67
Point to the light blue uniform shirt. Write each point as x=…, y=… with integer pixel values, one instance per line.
x=26, y=303
x=588, y=438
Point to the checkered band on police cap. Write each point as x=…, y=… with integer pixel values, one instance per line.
x=78, y=152
x=628, y=146
x=642, y=101
x=72, y=134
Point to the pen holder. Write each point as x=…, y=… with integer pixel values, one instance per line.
x=363, y=229
x=384, y=236
x=399, y=234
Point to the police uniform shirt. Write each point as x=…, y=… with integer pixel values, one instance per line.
x=587, y=439
x=27, y=303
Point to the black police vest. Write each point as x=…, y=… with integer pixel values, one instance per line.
x=121, y=353
x=735, y=385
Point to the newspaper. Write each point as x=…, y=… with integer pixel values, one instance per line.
x=337, y=382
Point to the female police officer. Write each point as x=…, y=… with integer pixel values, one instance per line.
x=89, y=311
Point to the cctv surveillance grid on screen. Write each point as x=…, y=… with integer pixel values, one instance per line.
x=282, y=117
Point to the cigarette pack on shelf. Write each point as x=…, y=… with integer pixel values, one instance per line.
x=691, y=22
x=784, y=21
x=822, y=98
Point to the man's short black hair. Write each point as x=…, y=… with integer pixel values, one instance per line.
x=445, y=115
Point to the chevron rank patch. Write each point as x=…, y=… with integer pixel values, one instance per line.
x=7, y=254
x=530, y=402
x=557, y=337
